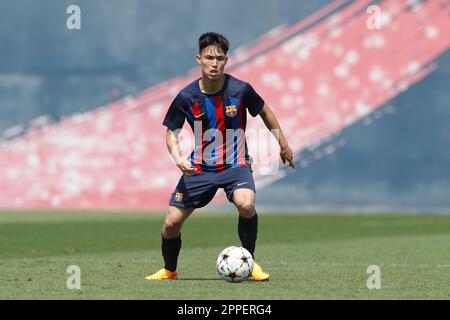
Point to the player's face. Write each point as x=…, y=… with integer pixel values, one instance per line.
x=213, y=61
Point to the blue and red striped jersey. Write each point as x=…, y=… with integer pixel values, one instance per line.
x=218, y=121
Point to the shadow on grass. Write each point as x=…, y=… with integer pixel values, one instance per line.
x=218, y=279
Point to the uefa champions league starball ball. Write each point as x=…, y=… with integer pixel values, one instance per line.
x=234, y=264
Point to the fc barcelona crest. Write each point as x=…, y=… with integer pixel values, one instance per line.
x=231, y=110
x=178, y=197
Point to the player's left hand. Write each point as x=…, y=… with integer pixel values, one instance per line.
x=286, y=154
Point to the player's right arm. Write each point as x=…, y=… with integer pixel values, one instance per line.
x=173, y=145
x=174, y=120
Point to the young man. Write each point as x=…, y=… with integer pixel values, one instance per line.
x=215, y=107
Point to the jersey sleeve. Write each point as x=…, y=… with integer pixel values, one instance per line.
x=175, y=116
x=253, y=102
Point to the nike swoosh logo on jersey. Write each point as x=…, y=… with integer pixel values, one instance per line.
x=198, y=116
x=240, y=184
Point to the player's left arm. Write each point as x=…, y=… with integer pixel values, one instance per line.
x=271, y=122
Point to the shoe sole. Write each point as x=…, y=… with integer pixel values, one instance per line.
x=161, y=279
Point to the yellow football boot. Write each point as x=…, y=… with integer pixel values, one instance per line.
x=163, y=274
x=258, y=274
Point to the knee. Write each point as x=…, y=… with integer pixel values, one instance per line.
x=174, y=221
x=172, y=225
x=246, y=208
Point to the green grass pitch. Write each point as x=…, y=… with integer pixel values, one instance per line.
x=309, y=256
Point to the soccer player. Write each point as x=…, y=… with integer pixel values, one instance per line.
x=215, y=106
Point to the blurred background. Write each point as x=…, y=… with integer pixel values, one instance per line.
x=363, y=100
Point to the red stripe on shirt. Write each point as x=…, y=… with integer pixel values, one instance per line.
x=196, y=111
x=241, y=145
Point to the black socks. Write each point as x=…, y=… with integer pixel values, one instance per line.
x=170, y=250
x=247, y=230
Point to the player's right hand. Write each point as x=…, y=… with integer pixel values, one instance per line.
x=186, y=168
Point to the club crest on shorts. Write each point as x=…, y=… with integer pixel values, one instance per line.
x=231, y=110
x=178, y=197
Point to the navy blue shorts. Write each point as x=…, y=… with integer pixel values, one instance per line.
x=198, y=190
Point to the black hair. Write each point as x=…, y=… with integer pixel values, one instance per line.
x=213, y=39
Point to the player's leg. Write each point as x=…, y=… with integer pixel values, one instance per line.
x=244, y=200
x=240, y=190
x=171, y=235
x=171, y=242
x=191, y=192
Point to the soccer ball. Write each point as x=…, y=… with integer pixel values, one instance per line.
x=234, y=264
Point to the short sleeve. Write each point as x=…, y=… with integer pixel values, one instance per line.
x=175, y=116
x=253, y=102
